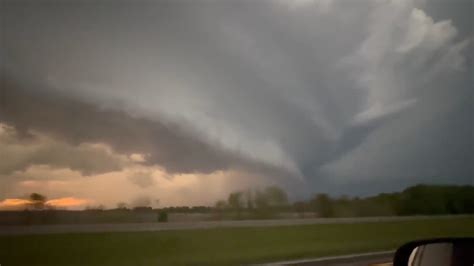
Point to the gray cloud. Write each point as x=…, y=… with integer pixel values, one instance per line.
x=166, y=144
x=20, y=153
x=333, y=91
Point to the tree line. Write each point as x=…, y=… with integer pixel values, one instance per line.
x=415, y=200
x=254, y=203
x=270, y=201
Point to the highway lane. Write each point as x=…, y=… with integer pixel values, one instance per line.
x=137, y=227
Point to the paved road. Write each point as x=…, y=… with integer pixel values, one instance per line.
x=383, y=258
x=136, y=227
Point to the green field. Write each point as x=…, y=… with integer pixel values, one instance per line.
x=226, y=246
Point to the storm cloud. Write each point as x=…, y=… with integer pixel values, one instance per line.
x=317, y=95
x=163, y=143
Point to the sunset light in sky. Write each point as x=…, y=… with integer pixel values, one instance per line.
x=59, y=203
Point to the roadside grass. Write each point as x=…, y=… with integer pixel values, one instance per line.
x=222, y=246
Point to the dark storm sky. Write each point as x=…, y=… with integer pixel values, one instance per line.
x=353, y=97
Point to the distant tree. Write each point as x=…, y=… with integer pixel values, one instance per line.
x=142, y=209
x=249, y=200
x=235, y=202
x=276, y=197
x=122, y=206
x=200, y=209
x=436, y=199
x=300, y=207
x=261, y=200
x=38, y=201
x=268, y=201
x=99, y=207
x=162, y=216
x=221, y=205
x=322, y=204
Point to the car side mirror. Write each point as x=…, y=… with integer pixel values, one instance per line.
x=436, y=252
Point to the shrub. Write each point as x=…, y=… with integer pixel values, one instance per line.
x=162, y=217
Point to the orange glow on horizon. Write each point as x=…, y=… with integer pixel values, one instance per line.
x=67, y=202
x=15, y=204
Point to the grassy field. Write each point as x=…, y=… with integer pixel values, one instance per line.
x=229, y=246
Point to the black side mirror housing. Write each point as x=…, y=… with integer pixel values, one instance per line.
x=436, y=252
